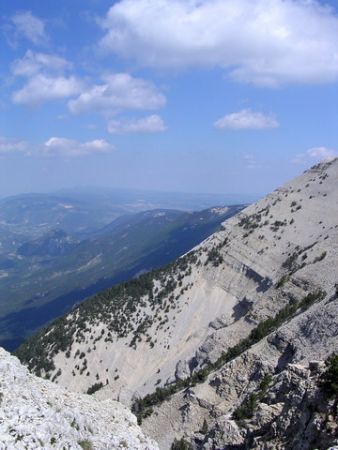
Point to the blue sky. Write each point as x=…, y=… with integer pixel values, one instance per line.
x=224, y=96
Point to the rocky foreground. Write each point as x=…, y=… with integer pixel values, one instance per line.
x=38, y=415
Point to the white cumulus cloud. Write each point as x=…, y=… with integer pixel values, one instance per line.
x=265, y=42
x=246, y=119
x=316, y=154
x=149, y=124
x=45, y=79
x=42, y=88
x=33, y=63
x=57, y=146
x=30, y=27
x=119, y=92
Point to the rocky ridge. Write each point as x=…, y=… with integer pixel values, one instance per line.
x=267, y=398
x=251, y=301
x=36, y=414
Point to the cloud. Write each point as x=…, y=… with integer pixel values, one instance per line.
x=119, y=92
x=246, y=119
x=33, y=63
x=12, y=145
x=56, y=146
x=316, y=154
x=30, y=27
x=150, y=124
x=46, y=80
x=42, y=88
x=264, y=42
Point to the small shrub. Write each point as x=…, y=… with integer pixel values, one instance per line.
x=280, y=283
x=85, y=444
x=290, y=261
x=247, y=408
x=264, y=384
x=320, y=257
x=214, y=257
x=181, y=444
x=94, y=388
x=329, y=379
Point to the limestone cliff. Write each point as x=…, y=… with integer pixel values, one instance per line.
x=249, y=301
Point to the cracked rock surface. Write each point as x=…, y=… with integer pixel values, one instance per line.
x=36, y=414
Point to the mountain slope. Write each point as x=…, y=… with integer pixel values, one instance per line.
x=53, y=272
x=35, y=414
x=257, y=295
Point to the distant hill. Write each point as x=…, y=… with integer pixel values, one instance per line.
x=45, y=276
x=83, y=211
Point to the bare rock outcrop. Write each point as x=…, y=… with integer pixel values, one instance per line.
x=293, y=414
x=38, y=415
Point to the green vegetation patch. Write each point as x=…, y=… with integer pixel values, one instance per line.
x=329, y=379
x=85, y=444
x=247, y=409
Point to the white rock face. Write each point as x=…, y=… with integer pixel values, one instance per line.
x=38, y=415
x=280, y=248
x=293, y=410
